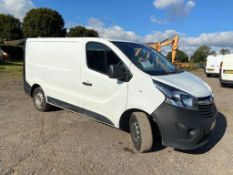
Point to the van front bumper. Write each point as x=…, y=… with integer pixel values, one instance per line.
x=183, y=128
x=226, y=81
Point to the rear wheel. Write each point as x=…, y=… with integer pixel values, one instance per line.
x=39, y=100
x=141, y=132
x=208, y=75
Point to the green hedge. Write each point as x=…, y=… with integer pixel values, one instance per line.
x=15, y=52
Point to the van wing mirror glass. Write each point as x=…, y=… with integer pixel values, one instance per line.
x=116, y=72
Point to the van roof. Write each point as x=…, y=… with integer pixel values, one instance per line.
x=77, y=39
x=228, y=56
x=214, y=56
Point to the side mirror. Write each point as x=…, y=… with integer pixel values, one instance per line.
x=116, y=72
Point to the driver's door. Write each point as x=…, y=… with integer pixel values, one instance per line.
x=104, y=98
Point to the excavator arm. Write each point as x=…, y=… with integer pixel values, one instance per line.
x=174, y=41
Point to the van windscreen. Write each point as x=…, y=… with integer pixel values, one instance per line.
x=147, y=59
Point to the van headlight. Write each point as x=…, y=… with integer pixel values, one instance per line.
x=176, y=97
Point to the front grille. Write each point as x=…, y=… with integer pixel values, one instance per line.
x=207, y=107
x=207, y=110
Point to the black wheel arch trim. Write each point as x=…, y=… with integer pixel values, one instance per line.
x=124, y=118
x=27, y=87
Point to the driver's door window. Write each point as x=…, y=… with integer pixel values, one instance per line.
x=100, y=57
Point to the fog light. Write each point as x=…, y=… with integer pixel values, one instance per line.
x=191, y=132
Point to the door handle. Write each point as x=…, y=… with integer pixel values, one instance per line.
x=87, y=83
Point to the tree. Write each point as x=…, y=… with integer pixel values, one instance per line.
x=10, y=28
x=213, y=53
x=80, y=31
x=180, y=56
x=224, y=51
x=200, y=54
x=43, y=22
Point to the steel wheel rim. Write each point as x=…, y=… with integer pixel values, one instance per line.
x=135, y=131
x=39, y=100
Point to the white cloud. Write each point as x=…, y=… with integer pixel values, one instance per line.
x=189, y=6
x=114, y=32
x=159, y=36
x=175, y=9
x=96, y=23
x=219, y=39
x=189, y=44
x=17, y=8
x=162, y=4
x=158, y=21
x=216, y=41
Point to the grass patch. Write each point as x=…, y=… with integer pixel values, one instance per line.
x=11, y=70
x=11, y=67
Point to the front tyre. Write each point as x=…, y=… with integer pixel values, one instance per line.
x=39, y=100
x=141, y=132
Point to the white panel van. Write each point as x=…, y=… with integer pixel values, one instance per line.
x=226, y=70
x=213, y=65
x=123, y=84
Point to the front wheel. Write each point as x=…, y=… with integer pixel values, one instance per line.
x=39, y=100
x=141, y=132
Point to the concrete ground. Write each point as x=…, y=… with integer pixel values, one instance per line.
x=61, y=142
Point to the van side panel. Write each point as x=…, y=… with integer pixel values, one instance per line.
x=35, y=63
x=55, y=66
x=63, y=72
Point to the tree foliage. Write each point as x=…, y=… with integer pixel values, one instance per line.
x=213, y=53
x=180, y=56
x=224, y=51
x=43, y=22
x=10, y=28
x=80, y=31
x=200, y=54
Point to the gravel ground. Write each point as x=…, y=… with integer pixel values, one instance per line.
x=61, y=142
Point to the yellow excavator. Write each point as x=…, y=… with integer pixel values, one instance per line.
x=174, y=41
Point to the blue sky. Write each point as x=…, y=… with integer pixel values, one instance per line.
x=196, y=21
x=207, y=15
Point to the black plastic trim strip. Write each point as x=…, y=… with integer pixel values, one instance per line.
x=27, y=87
x=79, y=110
x=98, y=117
x=65, y=105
